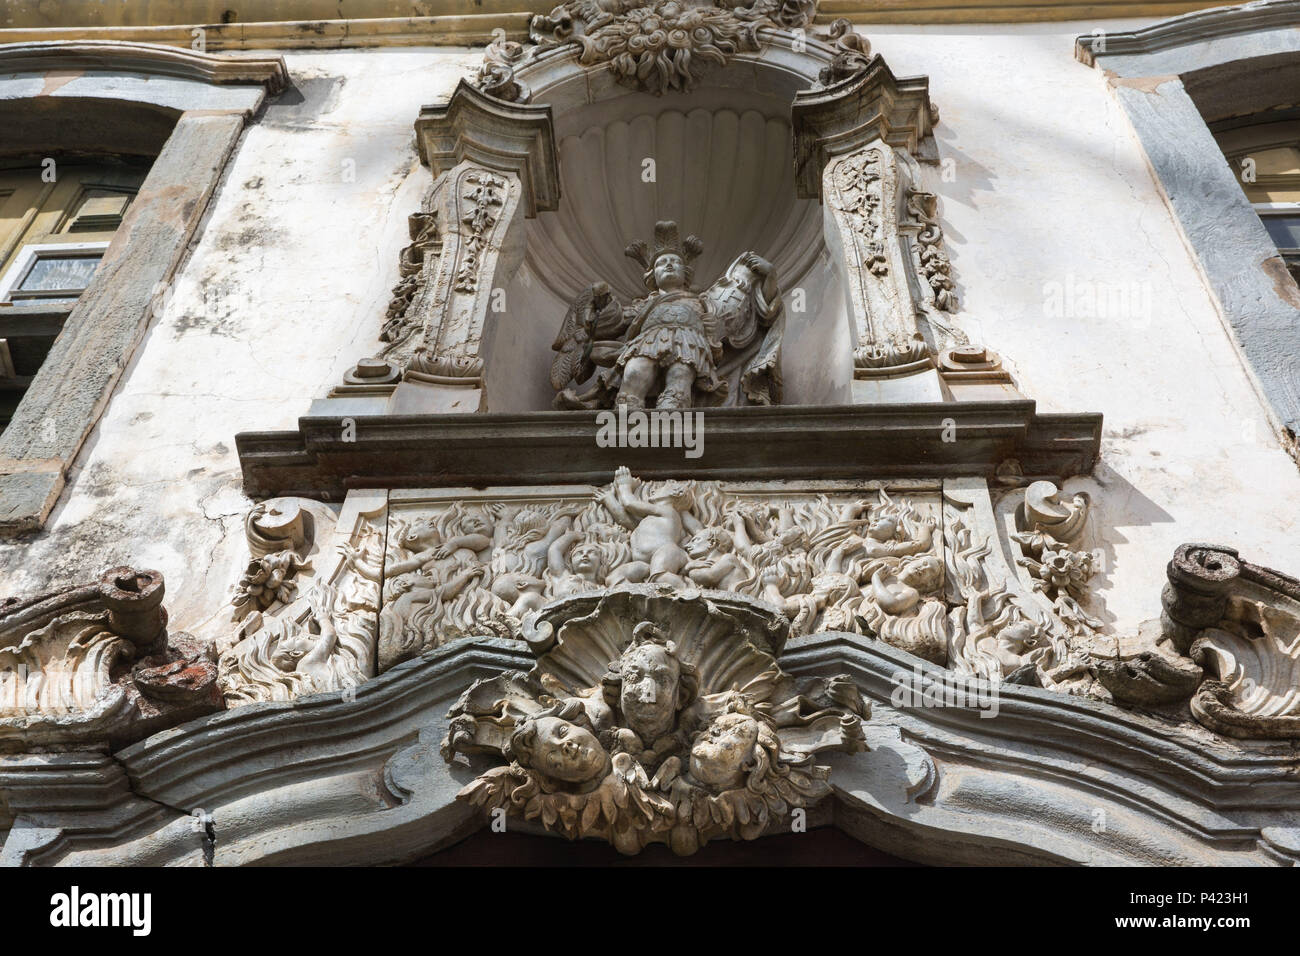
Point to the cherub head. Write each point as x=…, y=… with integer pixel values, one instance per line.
x=558, y=744
x=707, y=541
x=679, y=493
x=738, y=748
x=421, y=533
x=649, y=685
x=923, y=572
x=529, y=525
x=291, y=648
x=476, y=523
x=884, y=527
x=587, y=560
x=1018, y=637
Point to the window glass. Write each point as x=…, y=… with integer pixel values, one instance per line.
x=1264, y=153
x=56, y=220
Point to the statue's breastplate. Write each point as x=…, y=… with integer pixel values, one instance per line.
x=680, y=310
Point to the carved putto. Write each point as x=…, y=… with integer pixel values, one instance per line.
x=675, y=348
x=652, y=717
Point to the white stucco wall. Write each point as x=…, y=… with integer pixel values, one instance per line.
x=289, y=278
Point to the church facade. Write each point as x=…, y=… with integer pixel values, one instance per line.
x=671, y=426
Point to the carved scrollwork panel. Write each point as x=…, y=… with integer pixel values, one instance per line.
x=864, y=193
x=95, y=664
x=315, y=632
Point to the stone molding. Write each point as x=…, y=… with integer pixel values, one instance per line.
x=505, y=137
x=870, y=105
x=1019, y=794
x=1202, y=26
x=884, y=440
x=146, y=59
x=315, y=24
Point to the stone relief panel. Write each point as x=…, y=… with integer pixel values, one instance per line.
x=886, y=232
x=917, y=564
x=306, y=610
x=993, y=584
x=653, y=716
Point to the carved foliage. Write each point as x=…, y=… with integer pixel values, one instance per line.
x=861, y=190
x=650, y=45
x=852, y=54
x=414, y=268
x=934, y=268
x=481, y=207
x=857, y=181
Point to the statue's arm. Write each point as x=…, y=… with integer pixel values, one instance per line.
x=322, y=603
x=555, y=554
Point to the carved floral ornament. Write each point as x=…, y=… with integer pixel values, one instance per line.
x=661, y=45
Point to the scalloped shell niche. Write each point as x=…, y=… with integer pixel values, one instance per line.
x=724, y=173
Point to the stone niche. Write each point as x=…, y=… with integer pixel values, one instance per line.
x=715, y=160
x=784, y=177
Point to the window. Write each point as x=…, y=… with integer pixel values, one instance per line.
x=56, y=220
x=1264, y=153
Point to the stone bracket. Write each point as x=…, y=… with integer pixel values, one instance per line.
x=504, y=137
x=844, y=117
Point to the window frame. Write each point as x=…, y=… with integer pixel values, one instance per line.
x=30, y=253
x=1175, y=79
x=196, y=105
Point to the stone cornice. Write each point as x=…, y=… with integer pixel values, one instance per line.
x=1018, y=781
x=1203, y=26
x=144, y=58
x=846, y=116
x=844, y=441
x=313, y=24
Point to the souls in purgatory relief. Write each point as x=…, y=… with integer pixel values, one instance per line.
x=675, y=743
x=675, y=348
x=829, y=562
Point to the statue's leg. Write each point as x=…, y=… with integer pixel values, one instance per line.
x=667, y=562
x=679, y=382
x=633, y=572
x=638, y=379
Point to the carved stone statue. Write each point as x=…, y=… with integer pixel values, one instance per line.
x=675, y=348
x=688, y=736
